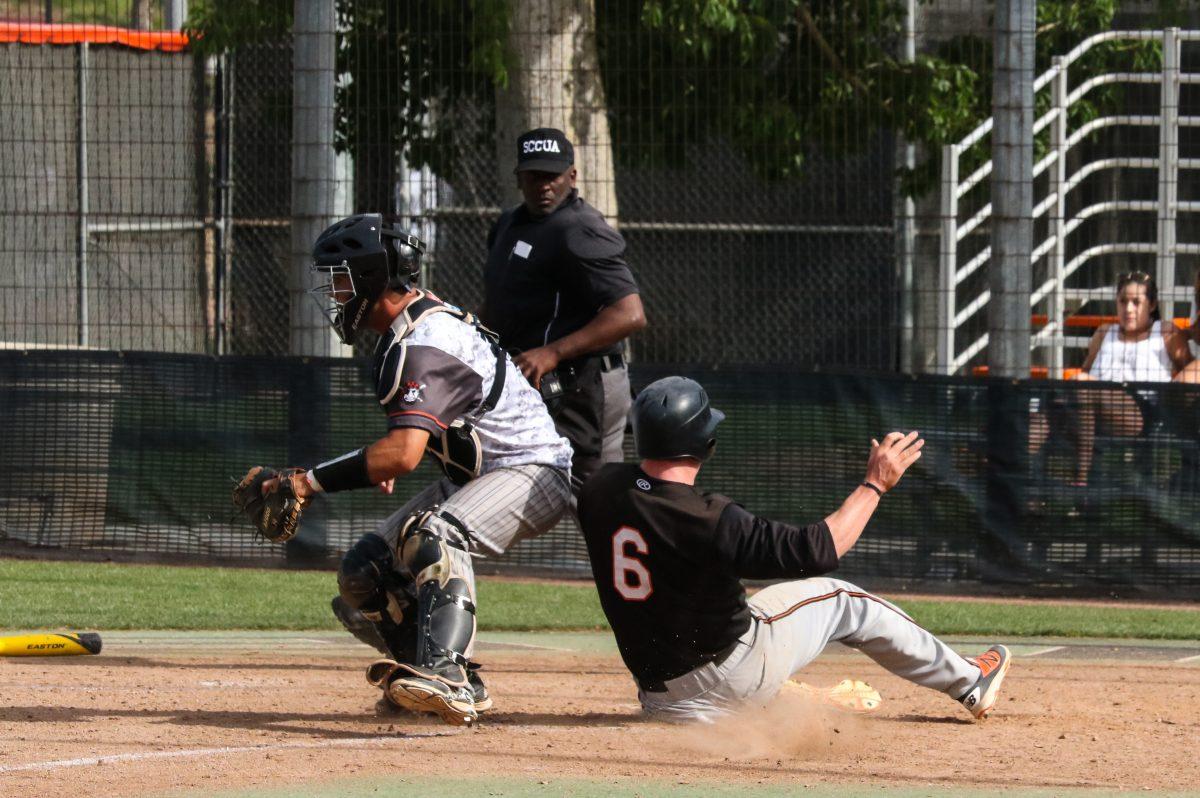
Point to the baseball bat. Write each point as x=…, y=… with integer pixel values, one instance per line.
x=50, y=644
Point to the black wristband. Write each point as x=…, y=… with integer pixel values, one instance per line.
x=865, y=485
x=347, y=472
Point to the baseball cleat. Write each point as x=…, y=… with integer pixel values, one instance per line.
x=993, y=665
x=483, y=701
x=411, y=689
x=379, y=672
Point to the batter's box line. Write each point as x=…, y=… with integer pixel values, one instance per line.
x=142, y=756
x=1040, y=651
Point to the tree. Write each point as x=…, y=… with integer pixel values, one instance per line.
x=777, y=79
x=554, y=81
x=139, y=15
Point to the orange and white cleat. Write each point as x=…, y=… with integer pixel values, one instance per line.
x=993, y=665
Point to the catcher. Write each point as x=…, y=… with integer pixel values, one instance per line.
x=448, y=390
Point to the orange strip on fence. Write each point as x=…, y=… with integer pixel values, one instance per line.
x=1037, y=372
x=1092, y=322
x=32, y=33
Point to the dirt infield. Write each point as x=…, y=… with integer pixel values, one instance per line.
x=203, y=714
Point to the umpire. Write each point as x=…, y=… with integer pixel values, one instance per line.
x=558, y=292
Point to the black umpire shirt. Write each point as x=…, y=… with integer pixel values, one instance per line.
x=548, y=276
x=667, y=560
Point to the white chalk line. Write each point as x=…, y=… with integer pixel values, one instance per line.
x=142, y=756
x=1041, y=651
x=1188, y=659
x=531, y=646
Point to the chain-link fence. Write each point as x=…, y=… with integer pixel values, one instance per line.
x=802, y=186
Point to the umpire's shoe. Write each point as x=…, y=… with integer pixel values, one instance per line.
x=447, y=695
x=993, y=665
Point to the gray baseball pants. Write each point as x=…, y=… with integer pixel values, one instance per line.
x=617, y=401
x=791, y=624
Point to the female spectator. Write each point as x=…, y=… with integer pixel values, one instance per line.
x=1194, y=343
x=1138, y=347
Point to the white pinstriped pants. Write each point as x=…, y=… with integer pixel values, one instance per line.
x=791, y=624
x=499, y=508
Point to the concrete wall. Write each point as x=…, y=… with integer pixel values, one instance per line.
x=145, y=163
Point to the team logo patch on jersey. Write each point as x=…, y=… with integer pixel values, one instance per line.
x=643, y=484
x=412, y=392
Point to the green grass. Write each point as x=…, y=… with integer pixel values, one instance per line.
x=56, y=595
x=50, y=595
x=988, y=619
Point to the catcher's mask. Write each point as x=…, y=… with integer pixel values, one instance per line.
x=672, y=418
x=360, y=257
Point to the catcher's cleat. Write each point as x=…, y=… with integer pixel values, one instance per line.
x=483, y=702
x=421, y=690
x=381, y=672
x=993, y=665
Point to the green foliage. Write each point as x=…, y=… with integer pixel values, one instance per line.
x=218, y=25
x=411, y=70
x=776, y=79
x=827, y=76
x=413, y=75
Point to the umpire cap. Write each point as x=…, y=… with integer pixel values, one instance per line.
x=545, y=149
x=672, y=418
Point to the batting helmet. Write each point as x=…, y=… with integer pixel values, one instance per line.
x=672, y=418
x=375, y=255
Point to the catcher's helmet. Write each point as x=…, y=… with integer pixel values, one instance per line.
x=672, y=418
x=375, y=255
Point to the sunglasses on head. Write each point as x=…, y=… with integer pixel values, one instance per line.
x=1134, y=277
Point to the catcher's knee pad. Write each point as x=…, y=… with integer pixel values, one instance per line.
x=433, y=546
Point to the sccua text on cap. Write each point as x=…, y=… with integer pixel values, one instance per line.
x=540, y=145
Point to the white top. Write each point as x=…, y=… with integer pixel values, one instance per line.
x=1133, y=361
x=443, y=370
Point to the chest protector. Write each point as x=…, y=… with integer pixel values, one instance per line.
x=457, y=449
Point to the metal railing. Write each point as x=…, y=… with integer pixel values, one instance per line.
x=954, y=311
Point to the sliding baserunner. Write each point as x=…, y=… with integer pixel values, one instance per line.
x=668, y=560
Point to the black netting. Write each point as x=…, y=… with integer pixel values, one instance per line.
x=134, y=455
x=780, y=174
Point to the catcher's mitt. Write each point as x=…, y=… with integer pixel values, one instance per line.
x=275, y=516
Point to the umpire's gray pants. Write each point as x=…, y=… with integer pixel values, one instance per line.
x=791, y=623
x=617, y=401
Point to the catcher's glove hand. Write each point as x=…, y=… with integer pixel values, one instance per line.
x=275, y=516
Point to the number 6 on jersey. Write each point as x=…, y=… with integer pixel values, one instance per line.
x=630, y=577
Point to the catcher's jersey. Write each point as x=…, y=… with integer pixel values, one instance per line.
x=440, y=368
x=667, y=560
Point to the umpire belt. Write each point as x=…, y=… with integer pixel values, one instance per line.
x=661, y=686
x=607, y=363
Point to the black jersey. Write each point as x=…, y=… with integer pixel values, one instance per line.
x=548, y=276
x=668, y=559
